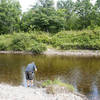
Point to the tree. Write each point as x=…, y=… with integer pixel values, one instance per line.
x=45, y=3
x=10, y=12
x=98, y=3
x=83, y=10
x=97, y=12
x=43, y=16
x=67, y=16
x=67, y=8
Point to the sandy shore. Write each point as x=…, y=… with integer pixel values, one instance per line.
x=90, y=53
x=8, y=92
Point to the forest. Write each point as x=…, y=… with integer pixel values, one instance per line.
x=79, y=21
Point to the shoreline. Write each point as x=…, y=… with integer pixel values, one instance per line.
x=8, y=92
x=82, y=53
x=16, y=52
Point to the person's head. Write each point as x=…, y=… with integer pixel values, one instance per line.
x=33, y=63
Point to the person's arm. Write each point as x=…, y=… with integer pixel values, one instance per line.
x=35, y=68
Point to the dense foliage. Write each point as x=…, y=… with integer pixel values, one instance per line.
x=38, y=42
x=77, y=40
x=48, y=25
x=23, y=42
x=10, y=12
x=45, y=16
x=68, y=15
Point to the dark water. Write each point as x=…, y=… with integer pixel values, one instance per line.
x=82, y=72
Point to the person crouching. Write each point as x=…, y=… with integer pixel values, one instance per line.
x=29, y=72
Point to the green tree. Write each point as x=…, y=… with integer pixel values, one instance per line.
x=10, y=12
x=43, y=16
x=83, y=8
x=67, y=16
x=98, y=3
x=67, y=7
x=97, y=13
x=46, y=3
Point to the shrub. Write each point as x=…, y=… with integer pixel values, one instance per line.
x=59, y=83
x=37, y=42
x=84, y=40
x=37, y=48
x=44, y=38
x=17, y=44
x=3, y=46
x=47, y=82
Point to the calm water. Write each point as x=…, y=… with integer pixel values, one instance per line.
x=82, y=72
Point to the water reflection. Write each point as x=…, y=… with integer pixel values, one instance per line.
x=83, y=73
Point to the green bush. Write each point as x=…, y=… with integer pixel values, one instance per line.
x=67, y=46
x=58, y=82
x=37, y=42
x=47, y=82
x=17, y=44
x=27, y=42
x=42, y=38
x=81, y=40
x=37, y=48
x=3, y=46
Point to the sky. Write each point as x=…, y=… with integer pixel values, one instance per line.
x=27, y=4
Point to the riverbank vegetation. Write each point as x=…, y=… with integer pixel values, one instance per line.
x=38, y=42
x=50, y=84
x=23, y=42
x=69, y=25
x=77, y=40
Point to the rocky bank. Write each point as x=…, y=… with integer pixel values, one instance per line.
x=8, y=92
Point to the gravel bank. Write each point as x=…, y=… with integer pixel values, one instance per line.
x=81, y=53
x=95, y=53
x=8, y=92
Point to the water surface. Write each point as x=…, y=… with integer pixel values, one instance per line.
x=82, y=72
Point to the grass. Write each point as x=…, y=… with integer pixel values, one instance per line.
x=59, y=83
